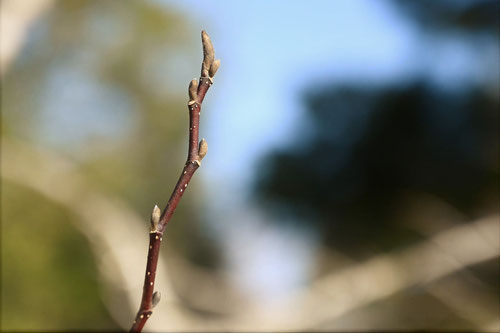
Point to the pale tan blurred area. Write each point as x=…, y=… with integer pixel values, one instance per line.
x=15, y=19
x=112, y=230
x=344, y=295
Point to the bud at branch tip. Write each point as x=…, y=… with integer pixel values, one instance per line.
x=208, y=54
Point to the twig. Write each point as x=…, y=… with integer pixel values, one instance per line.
x=196, y=151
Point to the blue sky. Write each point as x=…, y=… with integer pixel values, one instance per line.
x=271, y=51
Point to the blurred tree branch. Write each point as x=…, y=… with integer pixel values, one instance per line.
x=441, y=255
x=470, y=298
x=196, y=151
x=328, y=298
x=106, y=221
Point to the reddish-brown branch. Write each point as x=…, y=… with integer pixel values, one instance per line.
x=175, y=197
x=196, y=152
x=146, y=308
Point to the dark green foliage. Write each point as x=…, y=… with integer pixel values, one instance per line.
x=49, y=277
x=368, y=146
x=362, y=149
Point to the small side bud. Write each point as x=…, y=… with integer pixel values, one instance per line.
x=202, y=149
x=214, y=67
x=208, y=54
x=193, y=89
x=155, y=218
x=156, y=298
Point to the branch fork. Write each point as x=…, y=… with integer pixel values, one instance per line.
x=197, y=149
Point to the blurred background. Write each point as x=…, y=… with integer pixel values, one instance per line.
x=351, y=183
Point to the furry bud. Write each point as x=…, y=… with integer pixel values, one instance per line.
x=156, y=298
x=155, y=218
x=193, y=89
x=214, y=67
x=202, y=149
x=208, y=54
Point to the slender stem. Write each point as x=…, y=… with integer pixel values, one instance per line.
x=193, y=161
x=146, y=308
x=196, y=152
